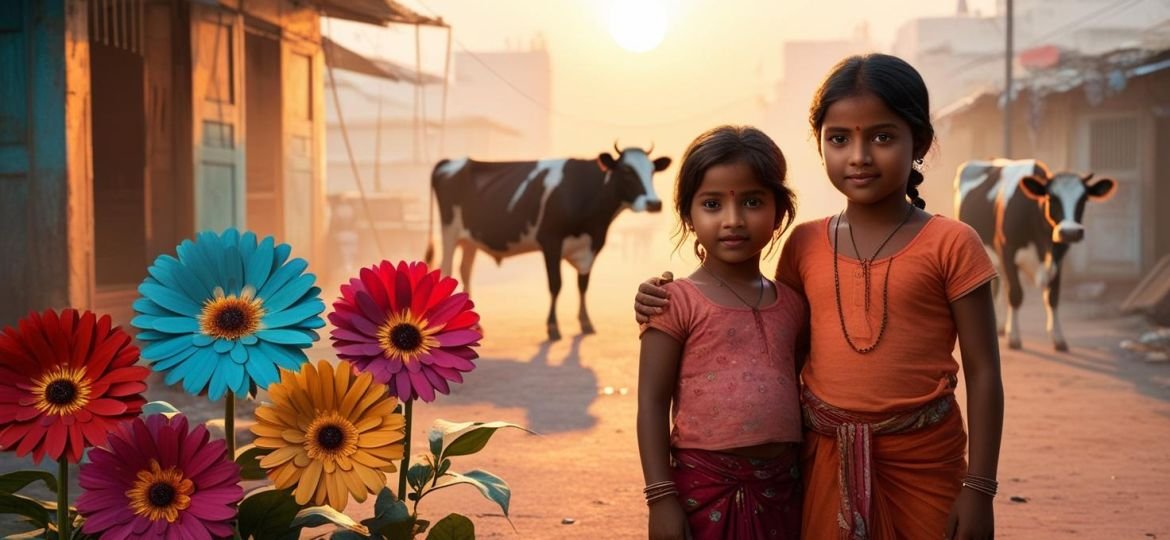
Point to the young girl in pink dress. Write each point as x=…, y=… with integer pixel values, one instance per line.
x=719, y=365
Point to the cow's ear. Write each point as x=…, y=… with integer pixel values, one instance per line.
x=1034, y=187
x=605, y=162
x=1102, y=189
x=661, y=164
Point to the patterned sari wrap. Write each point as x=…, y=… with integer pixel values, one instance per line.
x=854, y=432
x=729, y=497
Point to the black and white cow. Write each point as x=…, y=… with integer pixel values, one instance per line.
x=562, y=207
x=1016, y=203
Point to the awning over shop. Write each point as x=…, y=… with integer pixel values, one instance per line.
x=380, y=12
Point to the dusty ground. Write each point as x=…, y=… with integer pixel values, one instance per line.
x=1086, y=442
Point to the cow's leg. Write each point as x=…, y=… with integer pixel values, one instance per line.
x=1051, y=301
x=552, y=263
x=450, y=234
x=465, y=263
x=582, y=314
x=1015, y=292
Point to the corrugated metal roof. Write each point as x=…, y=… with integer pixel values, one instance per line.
x=380, y=12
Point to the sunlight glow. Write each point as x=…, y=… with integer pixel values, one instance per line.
x=638, y=25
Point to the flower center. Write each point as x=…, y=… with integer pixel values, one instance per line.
x=407, y=336
x=231, y=316
x=160, y=493
x=231, y=319
x=330, y=435
x=62, y=390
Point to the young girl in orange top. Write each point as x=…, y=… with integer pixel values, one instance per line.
x=720, y=362
x=889, y=288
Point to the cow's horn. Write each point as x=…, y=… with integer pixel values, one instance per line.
x=615, y=147
x=1088, y=177
x=651, y=149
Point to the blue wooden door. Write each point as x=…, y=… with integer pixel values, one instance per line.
x=218, y=105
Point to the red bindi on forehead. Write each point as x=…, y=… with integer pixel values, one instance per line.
x=733, y=193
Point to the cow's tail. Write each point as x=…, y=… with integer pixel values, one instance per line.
x=429, y=257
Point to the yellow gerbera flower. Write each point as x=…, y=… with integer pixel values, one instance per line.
x=331, y=434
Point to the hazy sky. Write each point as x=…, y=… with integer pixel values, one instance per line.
x=718, y=59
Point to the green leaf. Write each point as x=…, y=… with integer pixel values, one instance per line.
x=453, y=527
x=490, y=485
x=475, y=438
x=156, y=407
x=248, y=458
x=391, y=517
x=39, y=534
x=16, y=481
x=418, y=475
x=24, y=506
x=443, y=467
x=267, y=514
x=389, y=507
x=323, y=515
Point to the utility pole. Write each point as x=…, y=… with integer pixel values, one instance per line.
x=1007, y=83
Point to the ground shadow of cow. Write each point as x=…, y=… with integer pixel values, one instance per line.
x=1014, y=204
x=562, y=207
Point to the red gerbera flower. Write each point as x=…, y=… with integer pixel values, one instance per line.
x=407, y=328
x=65, y=382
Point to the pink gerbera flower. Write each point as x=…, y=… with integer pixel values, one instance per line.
x=406, y=327
x=157, y=479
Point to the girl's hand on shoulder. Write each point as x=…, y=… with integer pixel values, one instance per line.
x=651, y=298
x=668, y=521
x=972, y=517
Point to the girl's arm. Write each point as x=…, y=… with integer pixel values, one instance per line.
x=974, y=316
x=657, y=376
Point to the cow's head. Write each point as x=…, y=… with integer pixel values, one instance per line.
x=631, y=173
x=1063, y=200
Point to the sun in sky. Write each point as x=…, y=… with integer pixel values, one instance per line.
x=638, y=25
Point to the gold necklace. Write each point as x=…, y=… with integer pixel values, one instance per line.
x=865, y=264
x=755, y=308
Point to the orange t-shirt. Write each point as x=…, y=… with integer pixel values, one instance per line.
x=736, y=386
x=914, y=362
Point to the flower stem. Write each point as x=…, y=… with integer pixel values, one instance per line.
x=406, y=412
x=229, y=425
x=63, y=499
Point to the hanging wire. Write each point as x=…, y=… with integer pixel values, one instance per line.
x=348, y=147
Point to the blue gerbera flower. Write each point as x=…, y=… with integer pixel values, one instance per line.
x=227, y=313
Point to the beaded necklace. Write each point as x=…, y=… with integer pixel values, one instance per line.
x=865, y=270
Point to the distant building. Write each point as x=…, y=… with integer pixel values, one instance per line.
x=483, y=87
x=963, y=53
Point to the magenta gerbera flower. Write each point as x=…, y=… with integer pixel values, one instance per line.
x=157, y=479
x=407, y=327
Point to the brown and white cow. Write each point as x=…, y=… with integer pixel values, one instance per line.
x=1014, y=204
x=562, y=207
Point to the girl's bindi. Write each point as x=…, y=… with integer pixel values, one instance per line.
x=733, y=193
x=857, y=129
